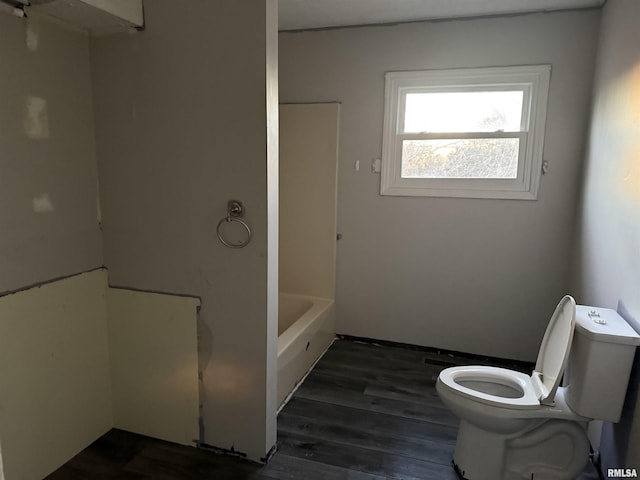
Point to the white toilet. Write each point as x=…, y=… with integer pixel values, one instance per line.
x=515, y=426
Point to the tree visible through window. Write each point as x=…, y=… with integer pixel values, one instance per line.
x=460, y=158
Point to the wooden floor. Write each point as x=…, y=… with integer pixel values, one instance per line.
x=366, y=412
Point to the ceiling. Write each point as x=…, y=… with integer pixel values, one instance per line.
x=311, y=14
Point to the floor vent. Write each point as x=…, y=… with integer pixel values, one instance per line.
x=440, y=363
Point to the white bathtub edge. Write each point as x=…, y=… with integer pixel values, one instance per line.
x=303, y=344
x=301, y=381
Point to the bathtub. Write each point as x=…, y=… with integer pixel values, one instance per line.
x=305, y=331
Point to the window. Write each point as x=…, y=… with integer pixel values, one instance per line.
x=474, y=132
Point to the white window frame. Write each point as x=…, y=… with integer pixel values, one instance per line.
x=533, y=80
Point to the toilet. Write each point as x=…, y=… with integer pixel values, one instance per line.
x=515, y=426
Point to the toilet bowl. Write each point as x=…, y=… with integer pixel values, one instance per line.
x=515, y=426
x=496, y=399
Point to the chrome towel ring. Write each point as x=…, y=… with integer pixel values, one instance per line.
x=235, y=211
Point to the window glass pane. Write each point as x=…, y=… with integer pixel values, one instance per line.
x=460, y=158
x=463, y=112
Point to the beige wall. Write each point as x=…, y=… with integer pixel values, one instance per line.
x=608, y=267
x=54, y=374
x=78, y=358
x=153, y=359
x=480, y=276
x=48, y=173
x=184, y=122
x=308, y=185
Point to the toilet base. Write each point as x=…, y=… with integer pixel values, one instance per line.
x=458, y=470
x=553, y=450
x=479, y=455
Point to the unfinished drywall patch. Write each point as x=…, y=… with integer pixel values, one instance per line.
x=36, y=118
x=42, y=203
x=31, y=36
x=154, y=364
x=48, y=170
x=54, y=374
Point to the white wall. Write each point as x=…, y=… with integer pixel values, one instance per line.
x=608, y=264
x=48, y=171
x=480, y=276
x=185, y=121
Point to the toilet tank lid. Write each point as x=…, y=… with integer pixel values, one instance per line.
x=605, y=325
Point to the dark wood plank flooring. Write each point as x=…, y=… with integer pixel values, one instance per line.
x=366, y=412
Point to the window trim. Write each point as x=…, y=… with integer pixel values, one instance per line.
x=533, y=80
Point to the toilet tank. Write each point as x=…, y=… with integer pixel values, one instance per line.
x=602, y=353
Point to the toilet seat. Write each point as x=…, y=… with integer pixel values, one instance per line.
x=529, y=399
x=539, y=388
x=554, y=350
